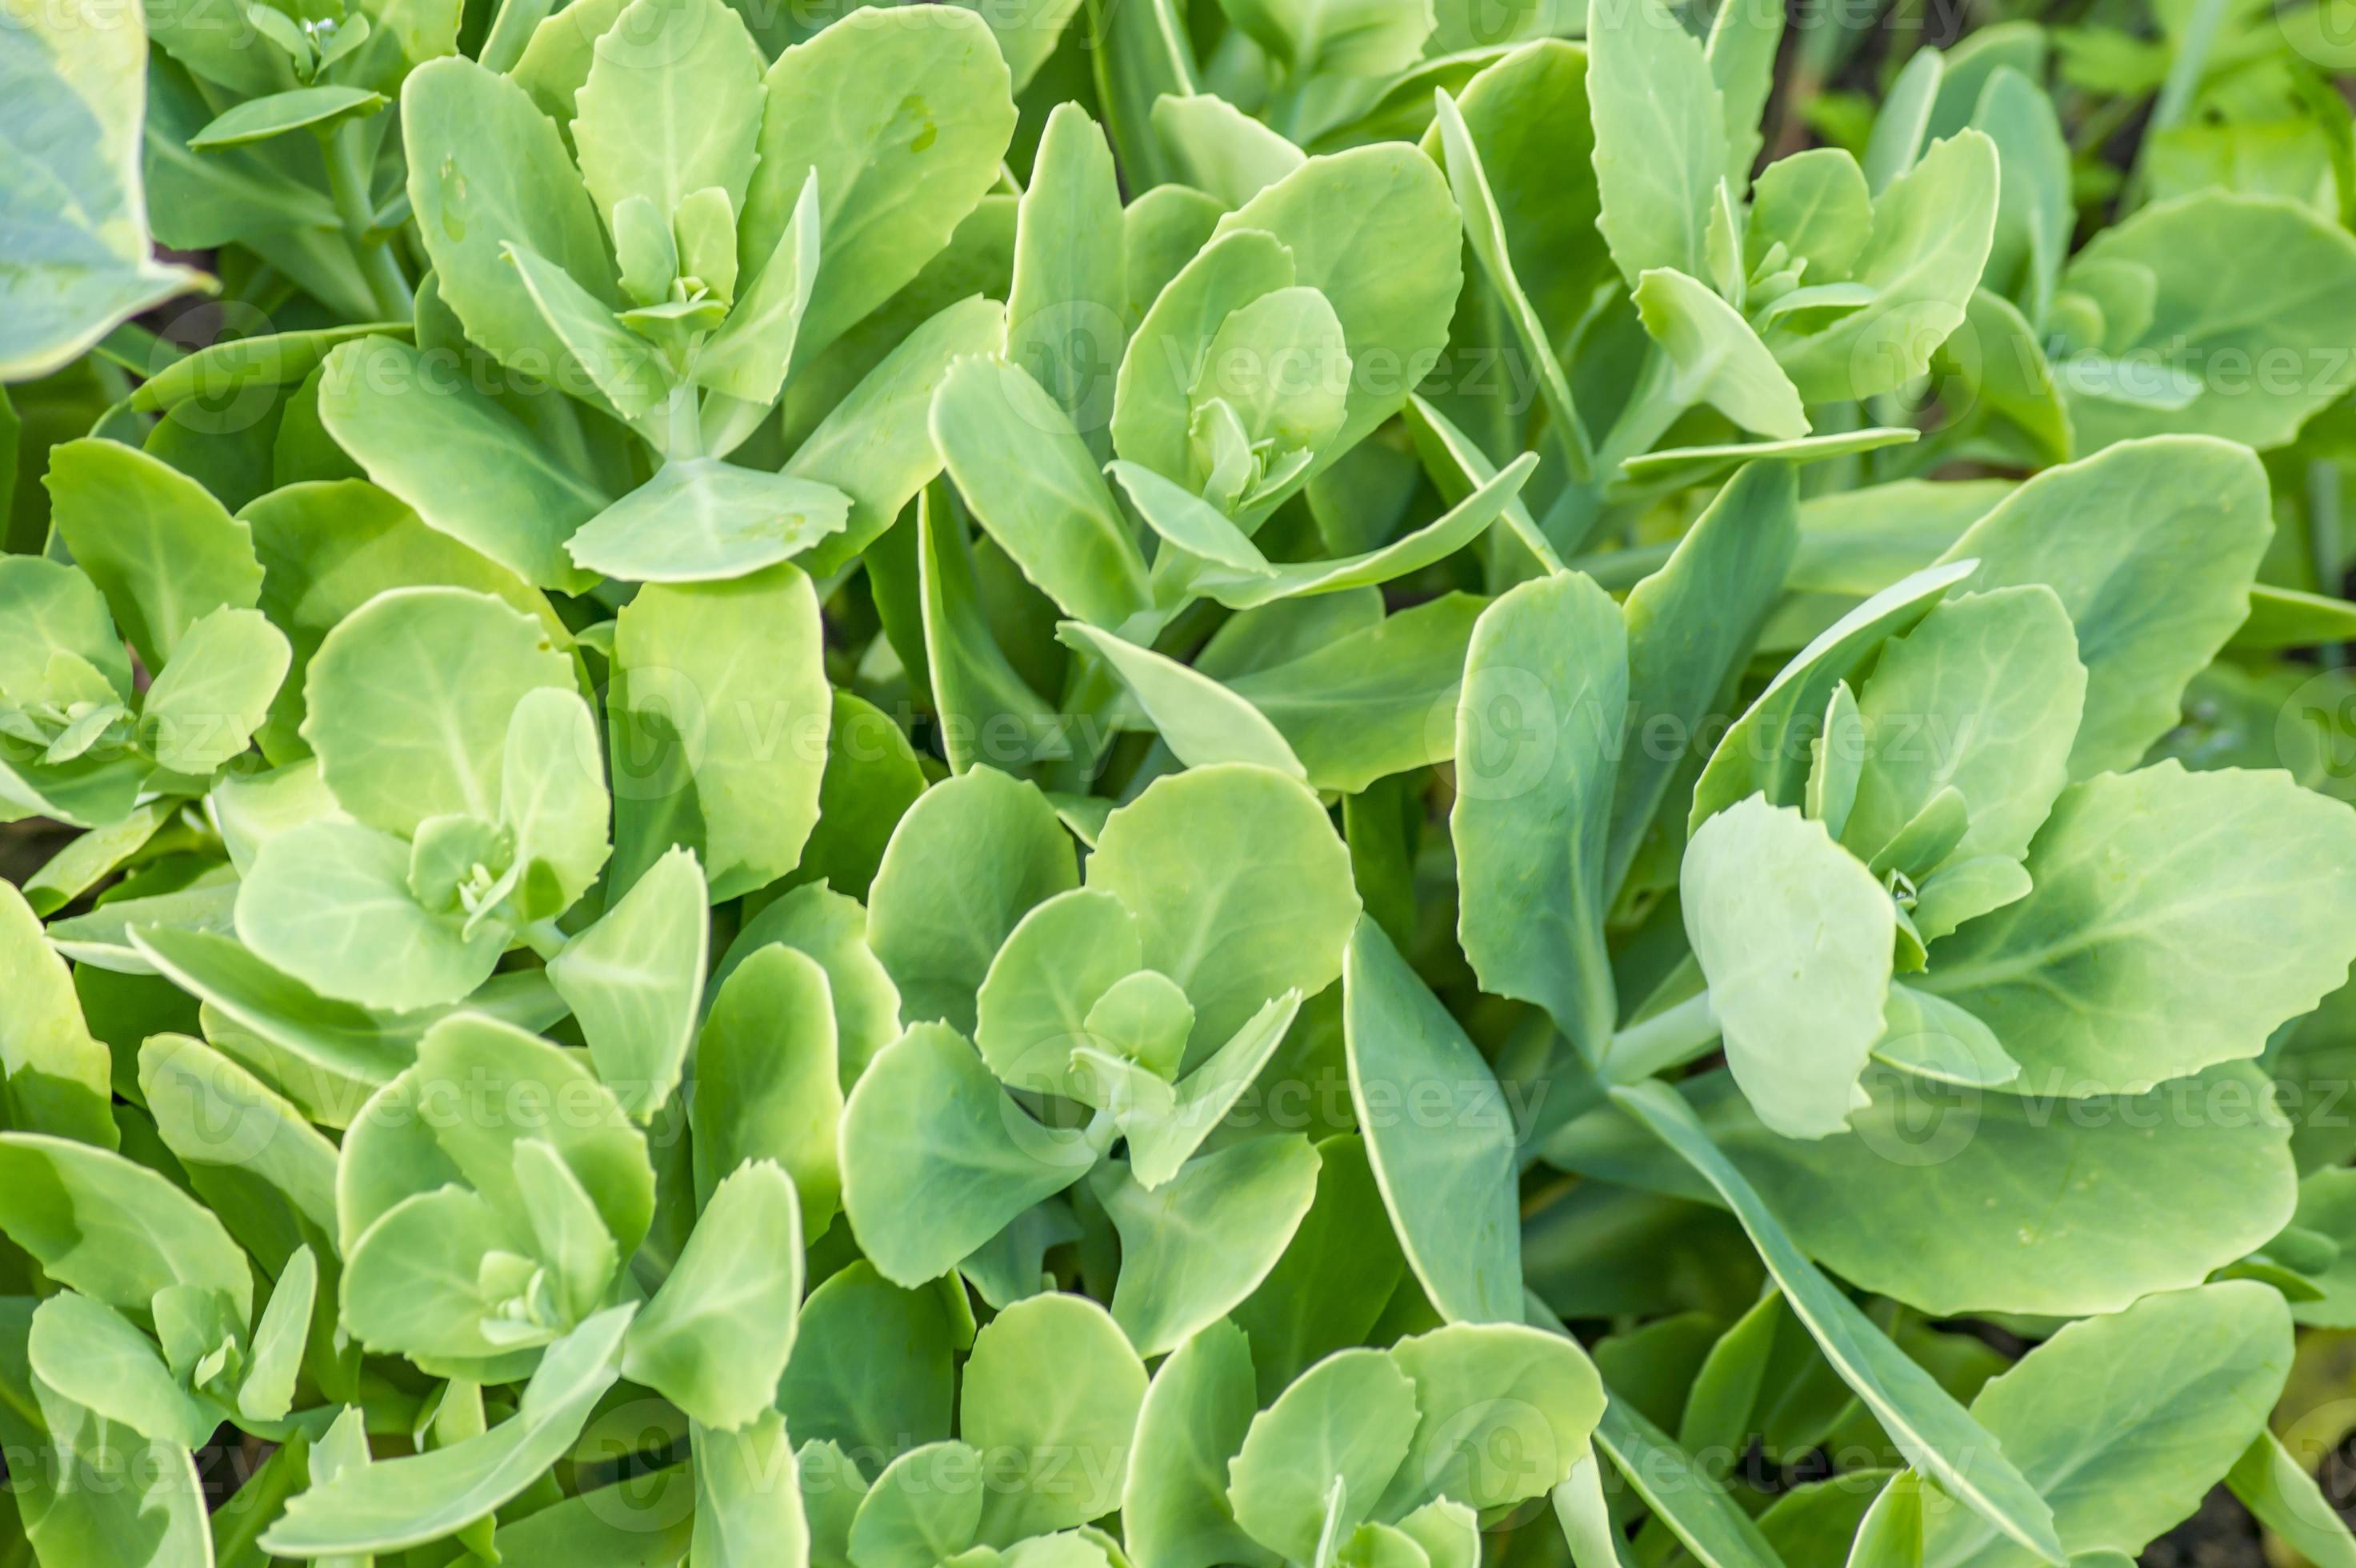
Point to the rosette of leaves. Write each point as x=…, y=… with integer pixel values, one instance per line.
x=1112, y=1028
x=2065, y=354
x=177, y=1305
x=1753, y=313
x=1916, y=840
x=695, y=223
x=1963, y=819
x=458, y=816
x=1046, y=1415
x=1215, y=369
x=1369, y=1455
x=158, y=561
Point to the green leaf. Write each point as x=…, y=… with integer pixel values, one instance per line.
x=268, y=1391
x=2125, y=1423
x=1193, y=1420
x=746, y=359
x=634, y=983
x=1374, y=703
x=1660, y=139
x=1485, y=229
x=259, y=119
x=1219, y=152
x=2275, y=1488
x=876, y=446
x=1151, y=410
x=2034, y=213
x=977, y=693
x=1202, y=1241
x=470, y=468
x=1815, y=204
x=1929, y=1428
x=619, y=364
x=468, y=1054
x=701, y=520
x=736, y=670
x=1272, y=914
x=55, y=1075
x=1032, y=483
x=91, y=1354
x=396, y=1503
x=327, y=547
x=1538, y=734
x=1982, y=697
x=2302, y=266
x=743, y=1513
x=487, y=170
x=1699, y=1510
x=1034, y=1002
x=1719, y=360
x=966, y=862
x=338, y=1038
x=1335, y=212
x=1439, y=1134
x=102, y=1494
x=2150, y=546
x=671, y=104
x=1055, y=1389
x=50, y=610
x=1690, y=625
x=1793, y=934
x=924, y=1508
x=937, y=1157
x=1335, y=37
x=872, y=778
x=1767, y=749
x=766, y=1083
x=904, y=117
x=1339, y=1269
x=2071, y=976
x=71, y=76
x=247, y=1149
x=1504, y=1410
x=1347, y=1420
x=1064, y=325
x=1931, y=226
x=203, y=709
x=157, y=544
x=1926, y=1157
x=1160, y=1143
x=410, y=699
x=715, y=1339
x=870, y=1367
x=1259, y=582
x=113, y=1229
x=1201, y=721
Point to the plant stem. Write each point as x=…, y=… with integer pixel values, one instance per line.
x=348, y=183
x=1668, y=1039
x=685, y=425
x=2323, y=543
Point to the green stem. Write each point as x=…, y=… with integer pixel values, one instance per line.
x=1668, y=1039
x=2323, y=543
x=684, y=424
x=1650, y=410
x=348, y=184
x=543, y=938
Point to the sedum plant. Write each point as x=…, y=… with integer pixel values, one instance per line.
x=1068, y=785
